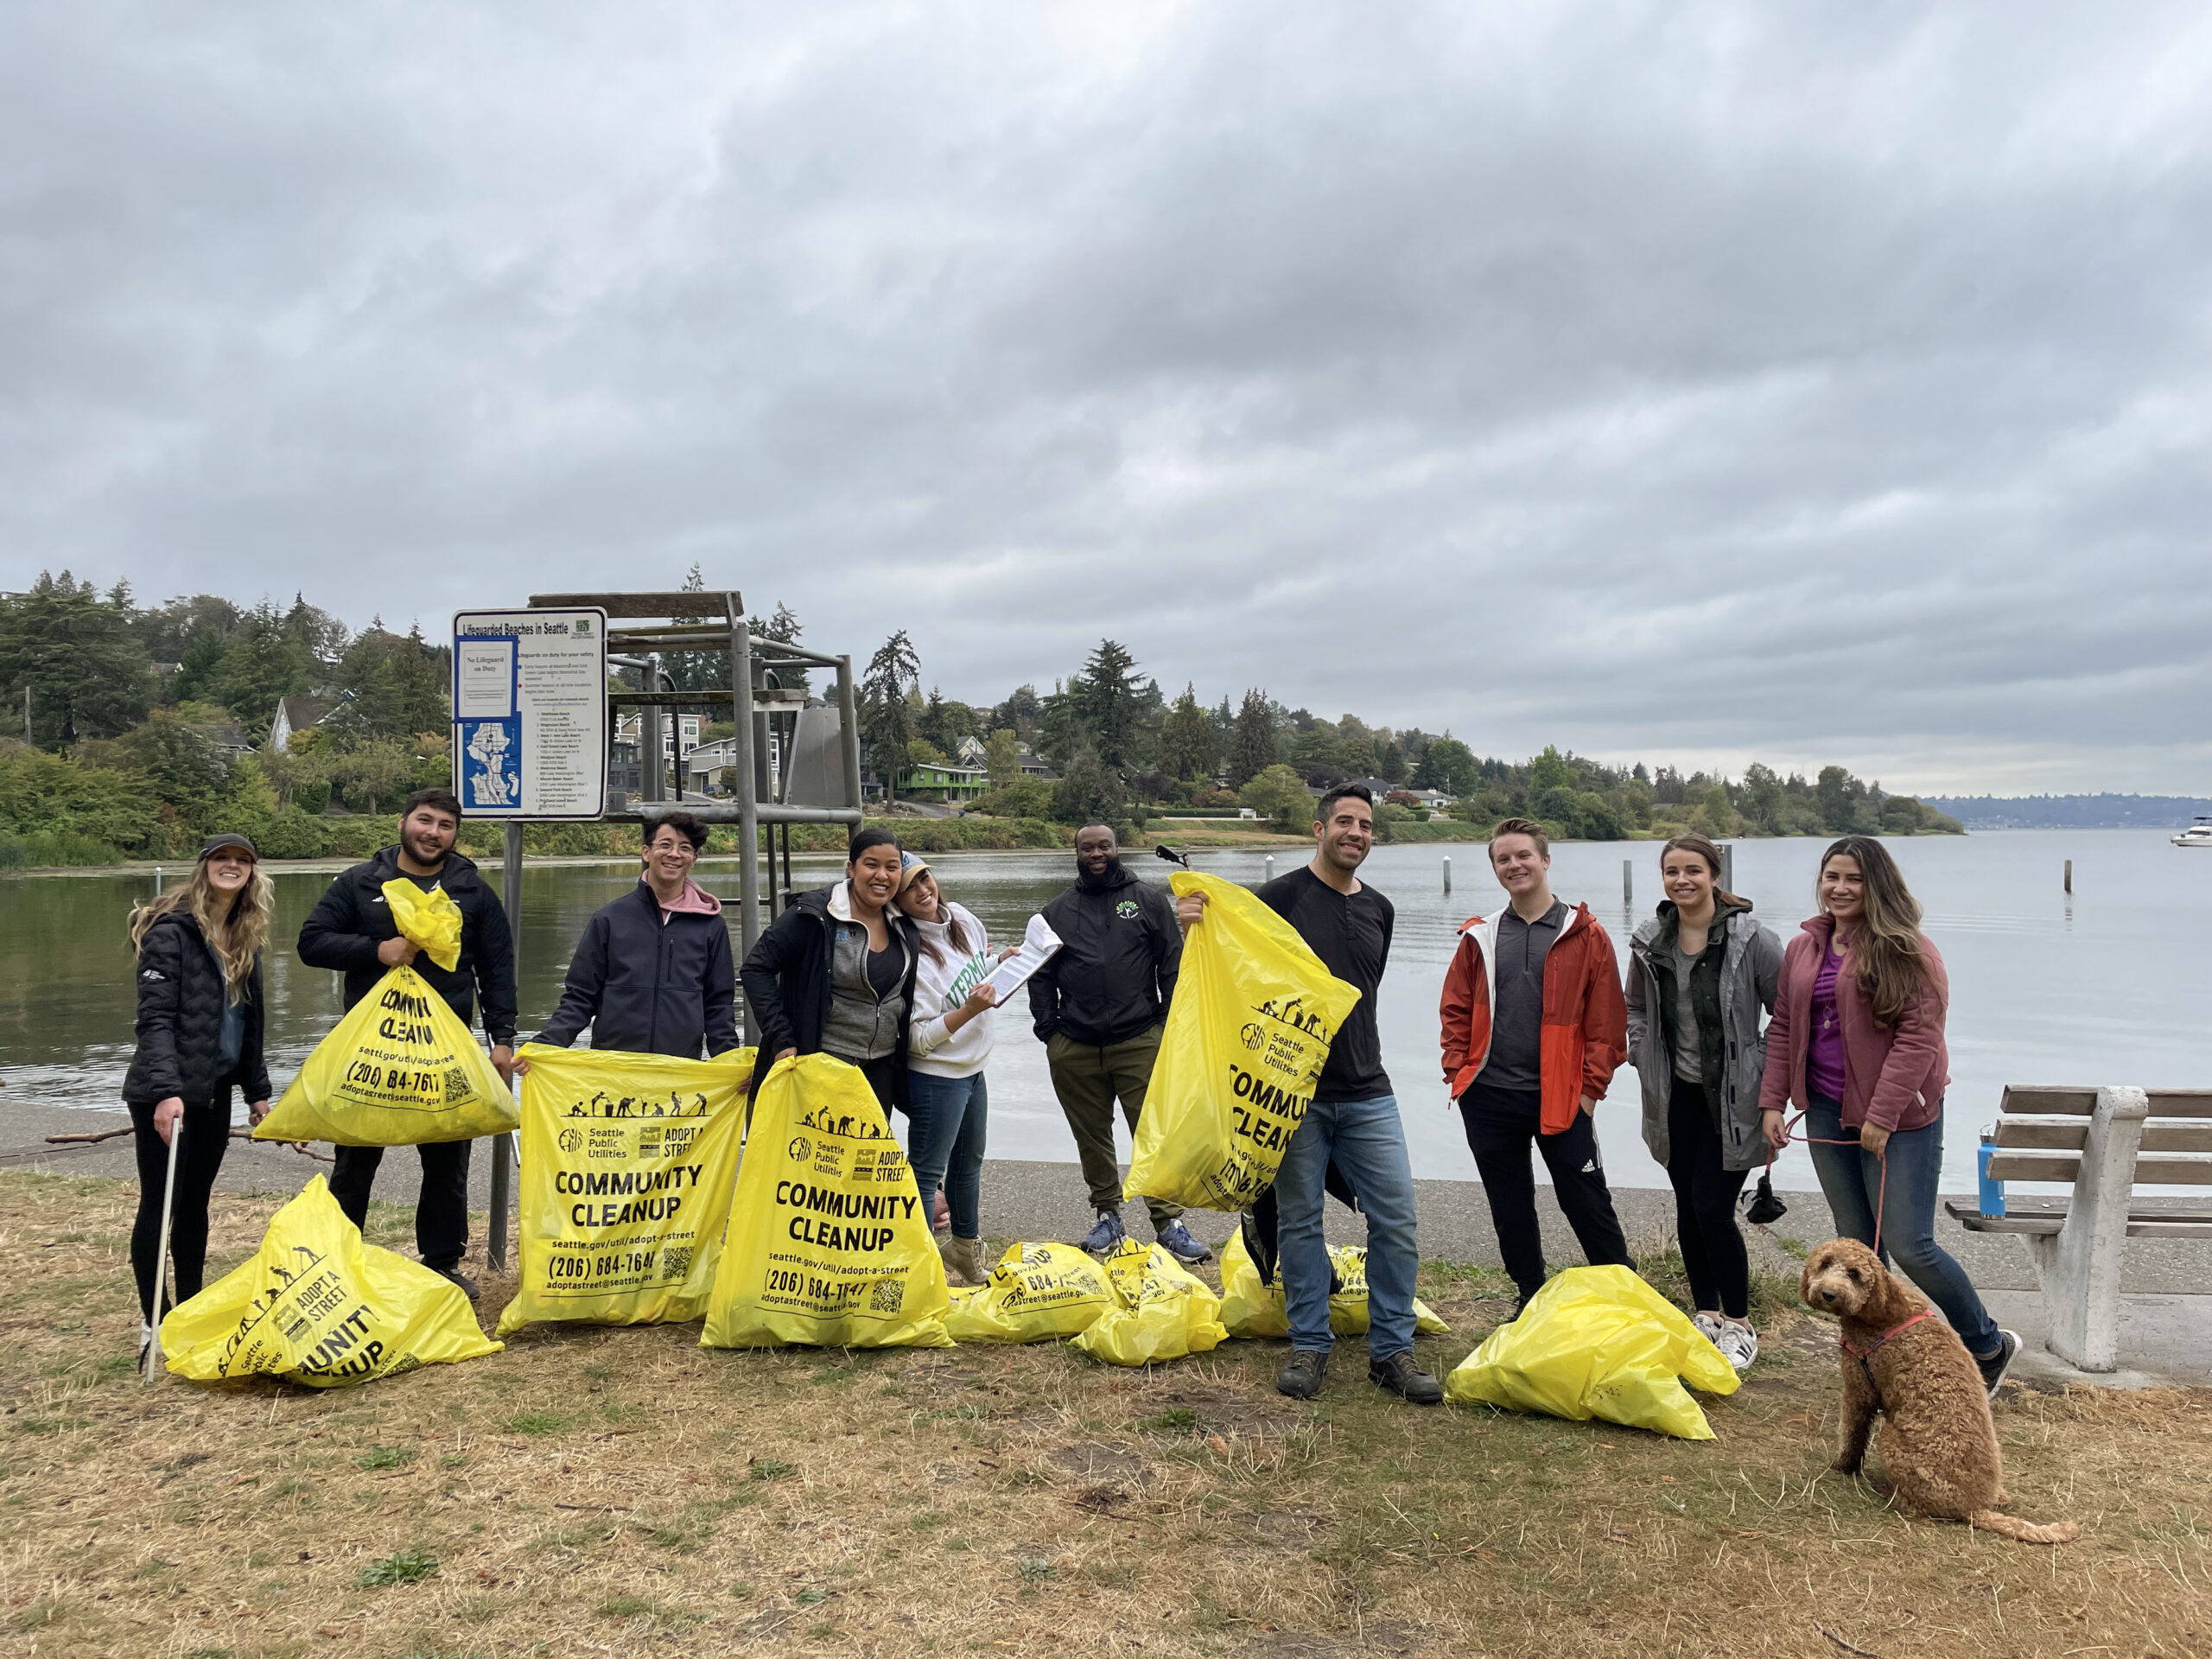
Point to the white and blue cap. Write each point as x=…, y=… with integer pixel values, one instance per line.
x=910, y=865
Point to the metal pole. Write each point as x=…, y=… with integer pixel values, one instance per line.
x=653, y=779
x=1271, y=867
x=161, y=1257
x=1447, y=872
x=749, y=801
x=495, y=1240
x=848, y=733
x=1628, y=881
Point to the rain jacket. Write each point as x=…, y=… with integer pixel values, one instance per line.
x=1115, y=972
x=182, y=995
x=1585, y=1036
x=352, y=918
x=787, y=977
x=1751, y=967
x=650, y=982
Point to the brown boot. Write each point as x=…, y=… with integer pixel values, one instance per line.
x=963, y=1259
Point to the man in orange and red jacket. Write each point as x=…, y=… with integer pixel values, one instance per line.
x=1535, y=1028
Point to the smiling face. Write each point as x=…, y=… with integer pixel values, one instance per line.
x=1843, y=889
x=1095, y=849
x=229, y=869
x=1518, y=863
x=1686, y=879
x=427, y=833
x=919, y=897
x=670, y=855
x=1349, y=834
x=875, y=876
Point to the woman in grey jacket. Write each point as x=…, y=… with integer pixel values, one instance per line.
x=1700, y=974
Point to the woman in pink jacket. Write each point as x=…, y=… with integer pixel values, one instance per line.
x=1856, y=1044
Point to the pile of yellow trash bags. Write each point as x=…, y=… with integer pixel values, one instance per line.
x=1249, y=1308
x=400, y=1070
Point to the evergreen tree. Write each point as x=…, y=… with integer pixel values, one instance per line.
x=1111, y=703
x=1252, y=740
x=1187, y=740
x=75, y=653
x=1004, y=760
x=1088, y=792
x=1061, y=728
x=886, y=718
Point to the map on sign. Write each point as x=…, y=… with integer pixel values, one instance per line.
x=530, y=713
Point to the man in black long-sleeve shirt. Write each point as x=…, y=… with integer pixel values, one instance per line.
x=351, y=929
x=1352, y=1120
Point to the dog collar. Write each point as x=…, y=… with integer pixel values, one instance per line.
x=1862, y=1355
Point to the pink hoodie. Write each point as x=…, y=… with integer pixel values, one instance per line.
x=1894, y=1077
x=694, y=900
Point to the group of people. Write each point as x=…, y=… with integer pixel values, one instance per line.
x=1727, y=1029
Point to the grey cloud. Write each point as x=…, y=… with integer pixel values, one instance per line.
x=1717, y=382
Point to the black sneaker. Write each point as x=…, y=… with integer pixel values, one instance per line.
x=1406, y=1380
x=468, y=1287
x=1994, y=1366
x=1301, y=1376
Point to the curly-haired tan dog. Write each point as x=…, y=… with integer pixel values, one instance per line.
x=1938, y=1446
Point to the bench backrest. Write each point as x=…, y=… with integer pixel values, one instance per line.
x=2041, y=1130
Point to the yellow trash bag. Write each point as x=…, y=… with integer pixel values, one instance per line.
x=1249, y=1308
x=627, y=1161
x=316, y=1304
x=1249, y=1031
x=1598, y=1342
x=400, y=1069
x=1037, y=1293
x=1164, y=1312
x=827, y=1243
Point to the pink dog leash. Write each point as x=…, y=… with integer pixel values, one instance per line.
x=1881, y=1195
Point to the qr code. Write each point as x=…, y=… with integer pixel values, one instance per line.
x=890, y=1295
x=456, y=1082
x=675, y=1260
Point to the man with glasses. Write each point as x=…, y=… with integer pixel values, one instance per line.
x=653, y=973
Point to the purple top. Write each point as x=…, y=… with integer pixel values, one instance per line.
x=1824, y=1053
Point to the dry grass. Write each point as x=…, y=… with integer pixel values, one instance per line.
x=593, y=1491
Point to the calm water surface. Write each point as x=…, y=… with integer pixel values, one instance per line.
x=2114, y=986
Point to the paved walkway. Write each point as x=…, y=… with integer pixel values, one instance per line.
x=2165, y=1325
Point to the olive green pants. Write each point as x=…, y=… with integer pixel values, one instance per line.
x=1087, y=1078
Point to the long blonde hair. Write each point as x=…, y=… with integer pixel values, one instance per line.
x=1886, y=951
x=236, y=937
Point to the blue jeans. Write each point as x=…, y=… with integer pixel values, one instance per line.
x=1367, y=1142
x=1851, y=1180
x=950, y=1119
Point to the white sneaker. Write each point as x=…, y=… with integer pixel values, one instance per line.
x=1739, y=1345
x=1708, y=1326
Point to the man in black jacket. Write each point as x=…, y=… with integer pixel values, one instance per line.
x=653, y=973
x=351, y=929
x=1098, y=1005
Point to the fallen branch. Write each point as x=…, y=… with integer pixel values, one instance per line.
x=85, y=1140
x=1839, y=1642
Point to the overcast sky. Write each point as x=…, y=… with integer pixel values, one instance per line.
x=1697, y=382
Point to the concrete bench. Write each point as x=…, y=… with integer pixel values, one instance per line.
x=2108, y=1142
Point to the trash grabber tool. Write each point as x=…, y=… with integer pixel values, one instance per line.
x=161, y=1257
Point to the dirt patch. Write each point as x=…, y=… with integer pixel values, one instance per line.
x=1099, y=1461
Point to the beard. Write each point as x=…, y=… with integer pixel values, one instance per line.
x=1090, y=883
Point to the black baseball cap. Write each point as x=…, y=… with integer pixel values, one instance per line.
x=217, y=843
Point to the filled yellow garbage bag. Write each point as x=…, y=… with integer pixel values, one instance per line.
x=1249, y=1308
x=627, y=1162
x=400, y=1069
x=1164, y=1312
x=1037, y=1293
x=317, y=1304
x=1598, y=1342
x=827, y=1243
x=1247, y=1035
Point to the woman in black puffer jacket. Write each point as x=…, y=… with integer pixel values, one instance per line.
x=200, y=1036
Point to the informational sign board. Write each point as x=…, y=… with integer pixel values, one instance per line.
x=530, y=714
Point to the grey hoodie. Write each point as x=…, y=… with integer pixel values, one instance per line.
x=1750, y=970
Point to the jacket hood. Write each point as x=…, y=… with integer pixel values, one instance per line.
x=694, y=900
x=1726, y=911
x=1120, y=876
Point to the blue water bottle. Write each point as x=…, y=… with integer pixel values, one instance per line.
x=1993, y=1192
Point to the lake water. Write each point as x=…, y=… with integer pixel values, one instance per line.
x=2113, y=986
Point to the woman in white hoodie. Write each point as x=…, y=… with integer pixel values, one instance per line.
x=949, y=1041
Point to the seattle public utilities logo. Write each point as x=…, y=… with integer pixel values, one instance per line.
x=1255, y=1038
x=571, y=1139
x=799, y=1148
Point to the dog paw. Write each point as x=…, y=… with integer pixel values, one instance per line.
x=1845, y=1466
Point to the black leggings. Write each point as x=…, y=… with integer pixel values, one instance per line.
x=207, y=1137
x=1705, y=1205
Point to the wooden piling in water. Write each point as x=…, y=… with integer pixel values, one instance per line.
x=2069, y=875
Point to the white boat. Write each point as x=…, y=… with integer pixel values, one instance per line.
x=2197, y=834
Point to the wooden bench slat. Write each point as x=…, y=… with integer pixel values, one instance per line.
x=2166, y=1228
x=2152, y=1168
x=2045, y=1223
x=2070, y=1134
x=2181, y=1103
x=2071, y=1100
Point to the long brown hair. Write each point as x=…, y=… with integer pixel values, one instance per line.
x=236, y=935
x=1885, y=955
x=1691, y=841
